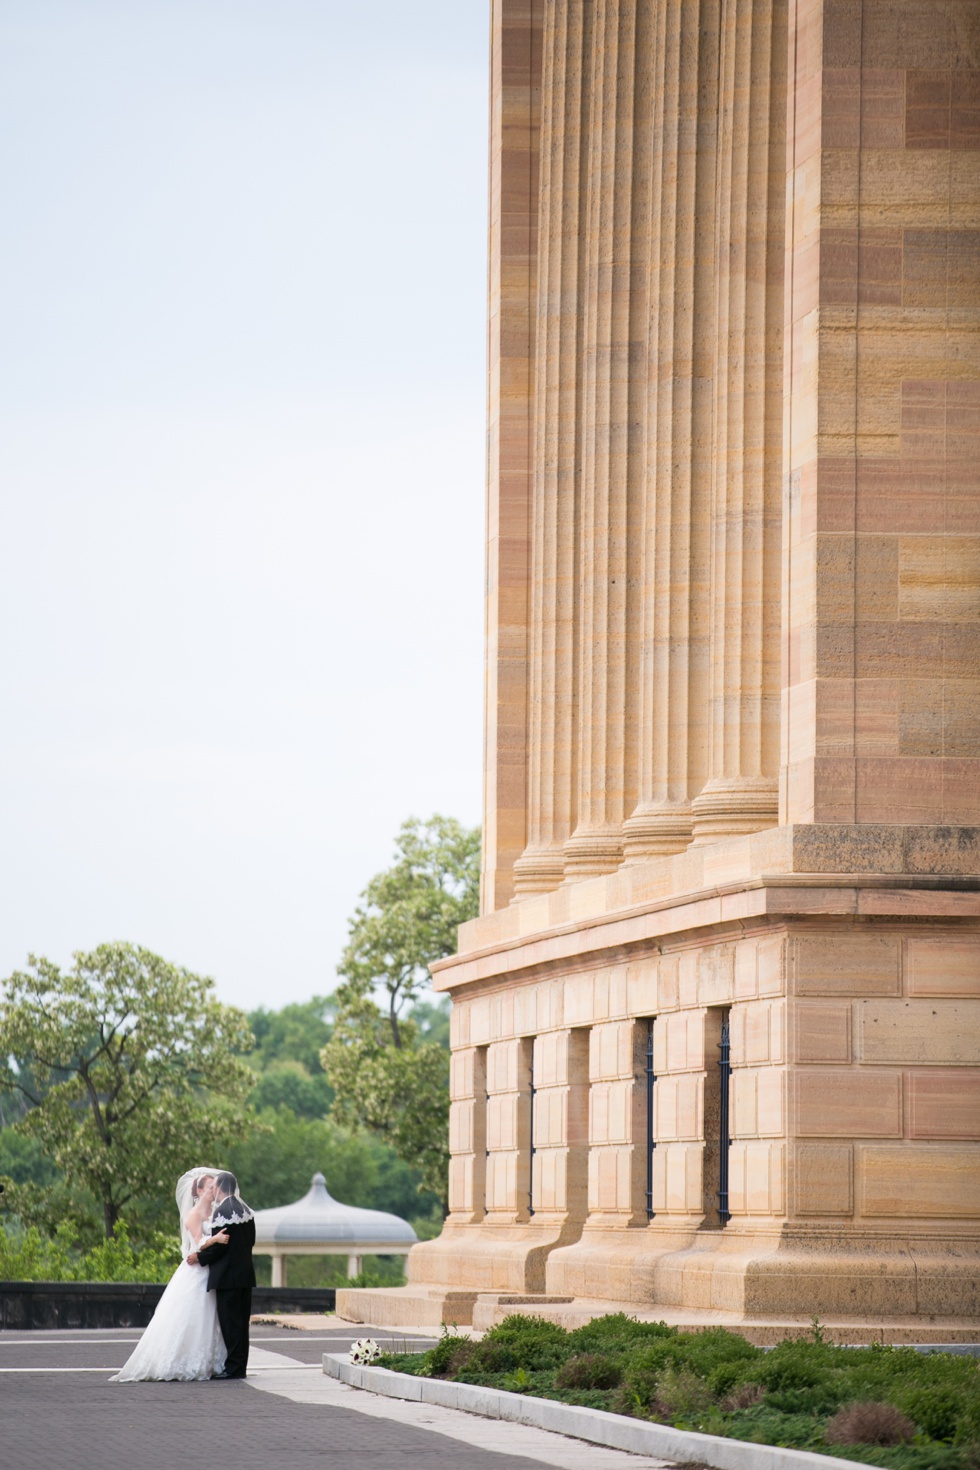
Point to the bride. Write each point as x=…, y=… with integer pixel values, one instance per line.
x=183, y=1340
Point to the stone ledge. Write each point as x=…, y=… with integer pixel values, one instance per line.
x=930, y=860
x=613, y=1431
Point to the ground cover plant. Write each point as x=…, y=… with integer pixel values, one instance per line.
x=888, y=1406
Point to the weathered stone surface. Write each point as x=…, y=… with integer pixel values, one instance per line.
x=733, y=722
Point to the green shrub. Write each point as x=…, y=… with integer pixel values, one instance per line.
x=590, y=1370
x=439, y=1358
x=937, y=1411
x=804, y=1394
x=532, y=1343
x=680, y=1394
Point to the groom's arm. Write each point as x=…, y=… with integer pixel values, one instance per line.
x=208, y=1253
x=205, y=1254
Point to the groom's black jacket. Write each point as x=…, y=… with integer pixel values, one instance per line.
x=229, y=1266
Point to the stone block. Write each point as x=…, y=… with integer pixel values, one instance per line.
x=579, y=1005
x=763, y=1178
x=503, y=1113
x=611, y=1050
x=642, y=997
x=946, y=965
x=506, y=1066
x=677, y=1179
x=611, y=1106
x=944, y=1104
x=771, y=1093
x=716, y=974
x=678, y=1106
x=461, y=1192
x=550, y=1179
x=746, y=969
x=745, y=1109
x=668, y=982
x=822, y=1033
x=467, y=1073
x=919, y=1180
x=845, y=964
x=687, y=977
x=918, y=1031
x=461, y=1127
x=824, y=1179
x=838, y=1103
x=610, y=1180
x=757, y=1025
x=480, y=1027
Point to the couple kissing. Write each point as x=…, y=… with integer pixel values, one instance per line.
x=200, y=1326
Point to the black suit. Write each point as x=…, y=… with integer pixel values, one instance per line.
x=231, y=1277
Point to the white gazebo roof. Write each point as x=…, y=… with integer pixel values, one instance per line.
x=320, y=1223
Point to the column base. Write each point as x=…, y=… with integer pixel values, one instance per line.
x=734, y=807
x=538, y=870
x=488, y=1257
x=657, y=831
x=590, y=854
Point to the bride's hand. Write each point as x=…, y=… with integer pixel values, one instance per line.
x=221, y=1238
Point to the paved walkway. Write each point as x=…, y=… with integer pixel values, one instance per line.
x=57, y=1408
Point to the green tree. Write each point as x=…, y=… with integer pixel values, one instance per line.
x=131, y=1067
x=387, y=1066
x=296, y=1033
x=409, y=914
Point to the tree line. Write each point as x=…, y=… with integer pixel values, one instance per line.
x=116, y=1072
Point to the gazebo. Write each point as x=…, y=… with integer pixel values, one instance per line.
x=319, y=1225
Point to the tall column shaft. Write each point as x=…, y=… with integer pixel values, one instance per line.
x=741, y=793
x=551, y=744
x=674, y=611
x=606, y=764
x=514, y=129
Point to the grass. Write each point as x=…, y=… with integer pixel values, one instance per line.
x=888, y=1406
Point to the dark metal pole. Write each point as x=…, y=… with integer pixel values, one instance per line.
x=724, y=1127
x=530, y=1180
x=651, y=1141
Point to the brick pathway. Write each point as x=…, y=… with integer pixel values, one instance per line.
x=57, y=1409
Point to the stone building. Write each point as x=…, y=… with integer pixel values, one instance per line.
x=715, y=1033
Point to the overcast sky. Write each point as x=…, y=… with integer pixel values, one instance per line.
x=242, y=294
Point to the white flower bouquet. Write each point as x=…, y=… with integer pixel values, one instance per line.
x=364, y=1351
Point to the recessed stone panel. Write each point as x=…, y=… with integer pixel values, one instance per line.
x=716, y=974
x=847, y=1104
x=824, y=1179
x=823, y=1032
x=846, y=964
x=946, y=965
x=771, y=965
x=920, y=1180
x=642, y=997
x=944, y=1104
x=461, y=1127
x=918, y=1031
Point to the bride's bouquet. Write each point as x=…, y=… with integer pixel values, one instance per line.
x=364, y=1351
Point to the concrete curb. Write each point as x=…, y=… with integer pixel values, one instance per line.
x=614, y=1431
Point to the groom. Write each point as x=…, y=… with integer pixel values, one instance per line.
x=231, y=1274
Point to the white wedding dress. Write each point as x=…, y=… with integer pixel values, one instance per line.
x=183, y=1340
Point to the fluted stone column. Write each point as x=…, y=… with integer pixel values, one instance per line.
x=606, y=625
x=515, y=35
x=741, y=793
x=565, y=109
x=680, y=363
